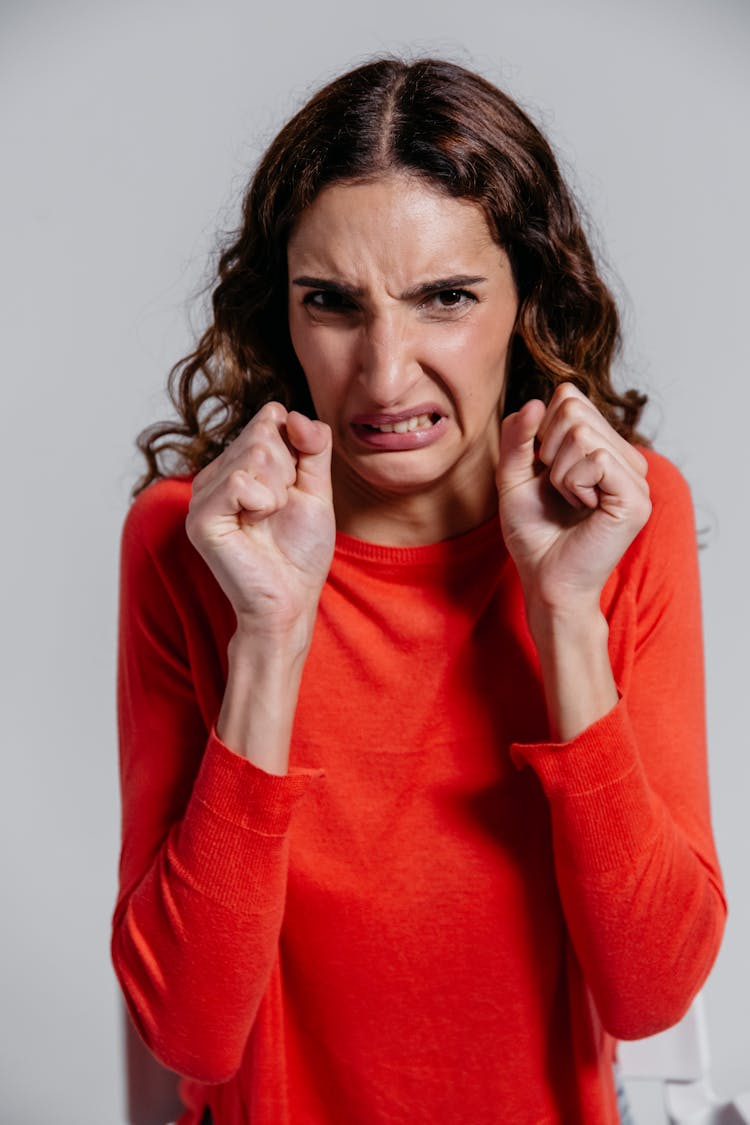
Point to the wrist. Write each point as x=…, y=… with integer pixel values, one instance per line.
x=580, y=622
x=264, y=644
x=260, y=697
x=573, y=652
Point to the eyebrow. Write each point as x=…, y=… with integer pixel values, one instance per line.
x=456, y=281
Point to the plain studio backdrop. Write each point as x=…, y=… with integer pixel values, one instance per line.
x=127, y=134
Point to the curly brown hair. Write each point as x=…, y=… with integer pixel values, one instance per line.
x=459, y=133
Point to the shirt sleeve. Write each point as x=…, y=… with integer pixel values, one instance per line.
x=204, y=837
x=635, y=860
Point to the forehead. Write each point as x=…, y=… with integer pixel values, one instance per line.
x=395, y=226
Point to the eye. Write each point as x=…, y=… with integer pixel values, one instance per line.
x=327, y=300
x=450, y=300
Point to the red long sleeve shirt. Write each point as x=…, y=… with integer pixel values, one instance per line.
x=438, y=915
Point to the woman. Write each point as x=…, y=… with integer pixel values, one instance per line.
x=415, y=815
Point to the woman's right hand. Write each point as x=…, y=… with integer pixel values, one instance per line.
x=261, y=515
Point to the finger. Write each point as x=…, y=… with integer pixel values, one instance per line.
x=253, y=500
x=579, y=482
x=579, y=443
x=267, y=462
x=239, y=498
x=267, y=422
x=517, y=460
x=601, y=480
x=312, y=442
x=571, y=447
x=260, y=505
x=262, y=453
x=569, y=407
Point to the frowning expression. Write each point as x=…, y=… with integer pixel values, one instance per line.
x=401, y=311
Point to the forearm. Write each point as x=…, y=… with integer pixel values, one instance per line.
x=204, y=855
x=260, y=698
x=643, y=905
x=193, y=971
x=636, y=866
x=579, y=685
x=194, y=940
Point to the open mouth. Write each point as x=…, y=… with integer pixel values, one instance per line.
x=396, y=434
x=405, y=425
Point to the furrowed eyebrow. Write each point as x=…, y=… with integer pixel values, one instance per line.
x=457, y=281
x=328, y=286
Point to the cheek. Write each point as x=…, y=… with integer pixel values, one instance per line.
x=325, y=357
x=482, y=371
x=476, y=355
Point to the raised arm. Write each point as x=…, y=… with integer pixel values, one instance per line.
x=262, y=517
x=206, y=809
x=625, y=771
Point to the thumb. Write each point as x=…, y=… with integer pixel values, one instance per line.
x=516, y=463
x=312, y=442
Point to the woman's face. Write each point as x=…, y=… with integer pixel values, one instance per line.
x=401, y=310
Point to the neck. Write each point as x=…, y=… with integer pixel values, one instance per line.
x=412, y=520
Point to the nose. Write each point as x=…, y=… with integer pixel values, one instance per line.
x=388, y=365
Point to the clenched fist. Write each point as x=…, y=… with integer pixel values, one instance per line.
x=572, y=497
x=261, y=515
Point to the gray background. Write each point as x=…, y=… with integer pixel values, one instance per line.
x=126, y=134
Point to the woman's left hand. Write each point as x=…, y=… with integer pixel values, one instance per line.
x=572, y=495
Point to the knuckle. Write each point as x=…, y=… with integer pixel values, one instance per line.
x=236, y=479
x=569, y=398
x=570, y=404
x=600, y=457
x=580, y=433
x=565, y=389
x=572, y=419
x=274, y=412
x=258, y=456
x=264, y=429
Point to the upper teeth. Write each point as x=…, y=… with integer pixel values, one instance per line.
x=417, y=422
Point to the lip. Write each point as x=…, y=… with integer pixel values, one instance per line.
x=381, y=419
x=392, y=442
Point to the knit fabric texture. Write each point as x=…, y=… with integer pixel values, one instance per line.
x=438, y=914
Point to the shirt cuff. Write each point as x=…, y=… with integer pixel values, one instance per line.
x=604, y=812
x=241, y=792
x=234, y=832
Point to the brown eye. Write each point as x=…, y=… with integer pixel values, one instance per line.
x=328, y=301
x=450, y=299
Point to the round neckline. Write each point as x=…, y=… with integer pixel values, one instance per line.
x=457, y=548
